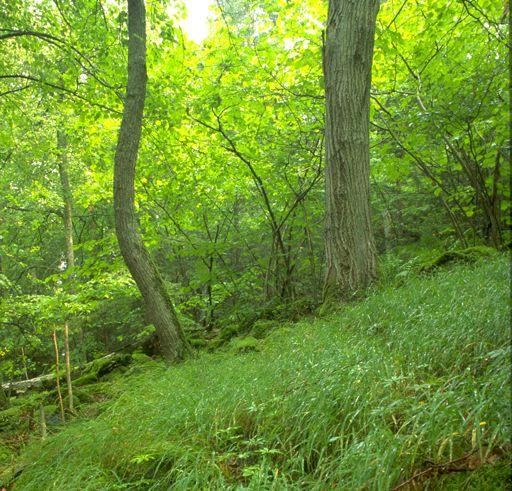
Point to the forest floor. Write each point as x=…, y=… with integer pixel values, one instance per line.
x=408, y=388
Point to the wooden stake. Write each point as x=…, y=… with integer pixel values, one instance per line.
x=42, y=421
x=68, y=366
x=57, y=375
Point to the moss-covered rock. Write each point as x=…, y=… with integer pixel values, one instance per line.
x=88, y=378
x=102, y=366
x=468, y=255
x=263, y=328
x=97, y=388
x=226, y=333
x=139, y=357
x=229, y=331
x=198, y=342
x=244, y=345
x=32, y=400
x=84, y=395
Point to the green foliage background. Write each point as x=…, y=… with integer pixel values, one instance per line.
x=238, y=114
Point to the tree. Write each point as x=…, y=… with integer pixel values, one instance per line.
x=70, y=255
x=442, y=127
x=140, y=264
x=348, y=52
x=232, y=244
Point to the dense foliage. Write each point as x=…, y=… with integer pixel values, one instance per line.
x=230, y=193
x=230, y=175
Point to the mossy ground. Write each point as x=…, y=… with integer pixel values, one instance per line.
x=365, y=398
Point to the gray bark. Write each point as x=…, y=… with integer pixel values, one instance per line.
x=348, y=52
x=159, y=308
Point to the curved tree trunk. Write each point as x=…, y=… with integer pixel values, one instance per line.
x=348, y=52
x=142, y=268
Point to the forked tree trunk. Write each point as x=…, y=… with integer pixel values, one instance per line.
x=142, y=268
x=348, y=52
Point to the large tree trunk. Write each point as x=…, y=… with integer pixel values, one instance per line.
x=348, y=51
x=143, y=270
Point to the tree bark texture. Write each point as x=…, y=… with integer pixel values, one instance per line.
x=160, y=310
x=348, y=52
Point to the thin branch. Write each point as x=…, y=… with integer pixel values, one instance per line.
x=60, y=87
x=12, y=91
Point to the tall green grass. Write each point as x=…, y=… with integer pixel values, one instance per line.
x=359, y=400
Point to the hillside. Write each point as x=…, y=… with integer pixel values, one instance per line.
x=255, y=245
x=412, y=379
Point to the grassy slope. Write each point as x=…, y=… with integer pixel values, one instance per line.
x=357, y=400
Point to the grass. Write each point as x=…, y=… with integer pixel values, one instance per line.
x=361, y=399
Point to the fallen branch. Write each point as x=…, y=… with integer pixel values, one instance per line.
x=444, y=468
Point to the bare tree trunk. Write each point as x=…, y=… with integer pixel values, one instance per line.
x=142, y=268
x=70, y=255
x=67, y=197
x=57, y=376
x=348, y=52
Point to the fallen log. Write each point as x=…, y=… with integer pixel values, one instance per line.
x=24, y=385
x=92, y=371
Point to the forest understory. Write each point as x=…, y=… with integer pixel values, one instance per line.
x=255, y=244
x=404, y=389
